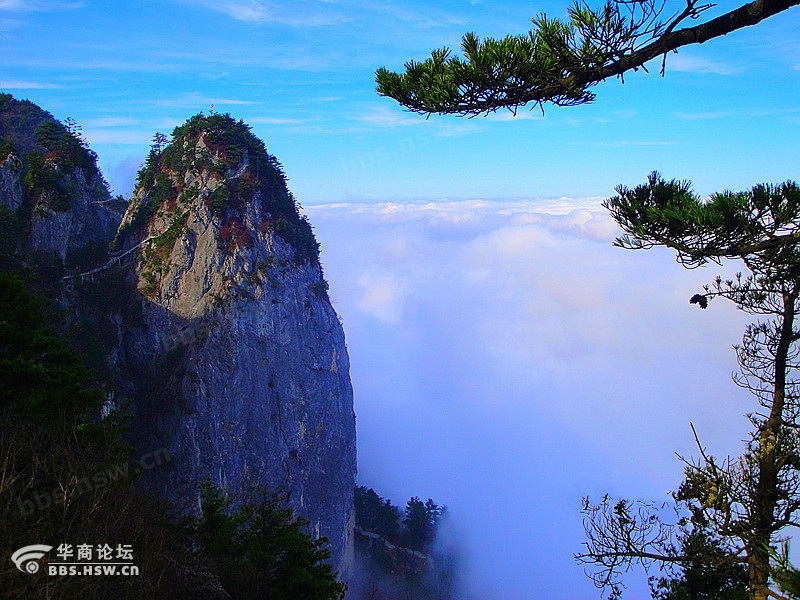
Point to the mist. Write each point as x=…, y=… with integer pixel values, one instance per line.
x=507, y=361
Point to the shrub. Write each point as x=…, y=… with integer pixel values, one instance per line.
x=262, y=549
x=220, y=199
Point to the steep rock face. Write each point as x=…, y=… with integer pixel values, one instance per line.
x=50, y=183
x=88, y=219
x=220, y=331
x=238, y=359
x=11, y=191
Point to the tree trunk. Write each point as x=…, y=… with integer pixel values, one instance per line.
x=758, y=562
x=766, y=496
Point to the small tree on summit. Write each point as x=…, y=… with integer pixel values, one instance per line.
x=160, y=141
x=67, y=143
x=49, y=134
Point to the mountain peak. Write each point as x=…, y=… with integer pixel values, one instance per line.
x=214, y=163
x=236, y=322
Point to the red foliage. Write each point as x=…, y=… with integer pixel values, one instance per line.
x=216, y=146
x=235, y=234
x=267, y=224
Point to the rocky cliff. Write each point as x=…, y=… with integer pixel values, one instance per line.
x=50, y=183
x=209, y=318
x=239, y=360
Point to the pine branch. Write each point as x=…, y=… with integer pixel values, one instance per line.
x=557, y=62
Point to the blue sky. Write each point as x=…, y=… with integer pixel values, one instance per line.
x=302, y=74
x=507, y=360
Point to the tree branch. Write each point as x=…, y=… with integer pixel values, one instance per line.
x=557, y=62
x=744, y=16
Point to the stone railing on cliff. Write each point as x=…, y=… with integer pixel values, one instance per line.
x=116, y=259
x=379, y=539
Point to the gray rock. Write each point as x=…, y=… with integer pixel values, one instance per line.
x=89, y=220
x=239, y=361
x=11, y=192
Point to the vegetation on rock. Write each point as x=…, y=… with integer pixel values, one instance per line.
x=67, y=472
x=396, y=553
x=49, y=151
x=222, y=150
x=261, y=549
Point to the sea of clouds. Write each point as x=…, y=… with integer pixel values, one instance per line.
x=508, y=360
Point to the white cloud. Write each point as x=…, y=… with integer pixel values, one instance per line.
x=615, y=116
x=627, y=143
x=254, y=11
x=704, y=116
x=696, y=64
x=38, y=5
x=110, y=122
x=27, y=85
x=777, y=112
x=535, y=281
x=519, y=115
x=263, y=11
x=383, y=116
x=166, y=124
x=461, y=210
x=382, y=296
x=98, y=62
x=203, y=102
x=135, y=137
x=429, y=18
x=516, y=326
x=277, y=121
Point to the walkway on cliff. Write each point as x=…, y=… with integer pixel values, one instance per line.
x=374, y=537
x=115, y=259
